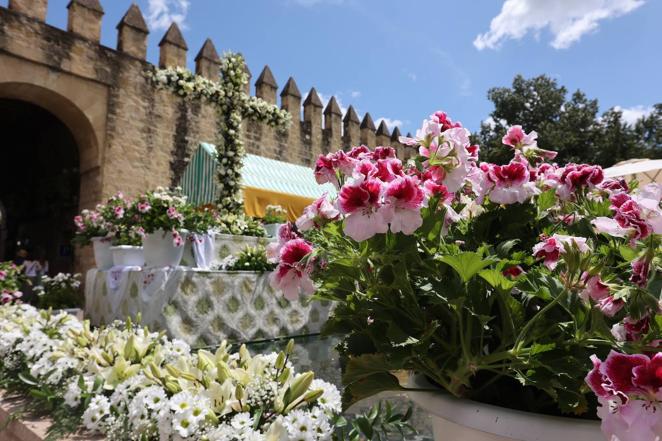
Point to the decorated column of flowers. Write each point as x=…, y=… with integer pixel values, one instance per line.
x=232, y=105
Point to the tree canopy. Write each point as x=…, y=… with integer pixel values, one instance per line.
x=570, y=125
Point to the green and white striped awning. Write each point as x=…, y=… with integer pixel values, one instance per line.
x=282, y=177
x=199, y=180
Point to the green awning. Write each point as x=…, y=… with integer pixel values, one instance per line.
x=282, y=177
x=264, y=179
x=199, y=179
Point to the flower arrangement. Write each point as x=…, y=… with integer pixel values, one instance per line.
x=162, y=209
x=274, y=214
x=59, y=292
x=104, y=221
x=128, y=383
x=240, y=225
x=249, y=259
x=504, y=284
x=12, y=279
x=233, y=105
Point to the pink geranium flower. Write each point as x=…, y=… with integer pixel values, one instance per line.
x=551, y=249
x=360, y=200
x=574, y=177
x=325, y=170
x=640, y=270
x=510, y=183
x=598, y=291
x=292, y=276
x=286, y=233
x=404, y=198
x=388, y=169
x=143, y=207
x=119, y=212
x=317, y=214
x=517, y=138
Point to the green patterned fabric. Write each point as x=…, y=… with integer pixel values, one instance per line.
x=201, y=307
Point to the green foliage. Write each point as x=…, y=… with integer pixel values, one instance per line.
x=572, y=127
x=381, y=422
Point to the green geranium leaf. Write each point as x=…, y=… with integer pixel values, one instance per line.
x=496, y=279
x=466, y=264
x=546, y=201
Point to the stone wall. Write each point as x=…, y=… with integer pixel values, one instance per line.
x=131, y=136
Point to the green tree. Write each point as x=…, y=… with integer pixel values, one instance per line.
x=571, y=126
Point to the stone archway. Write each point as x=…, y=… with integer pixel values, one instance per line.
x=39, y=184
x=54, y=163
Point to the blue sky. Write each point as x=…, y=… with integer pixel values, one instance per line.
x=401, y=60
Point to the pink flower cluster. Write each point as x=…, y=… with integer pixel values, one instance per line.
x=8, y=296
x=629, y=389
x=551, y=249
x=635, y=215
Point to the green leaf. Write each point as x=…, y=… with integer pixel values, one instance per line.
x=628, y=253
x=466, y=264
x=497, y=279
x=540, y=348
x=367, y=375
x=546, y=200
x=28, y=379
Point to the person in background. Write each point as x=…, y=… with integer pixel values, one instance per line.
x=21, y=256
x=34, y=269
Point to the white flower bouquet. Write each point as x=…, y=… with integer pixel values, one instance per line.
x=131, y=384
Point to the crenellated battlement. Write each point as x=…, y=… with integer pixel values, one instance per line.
x=138, y=126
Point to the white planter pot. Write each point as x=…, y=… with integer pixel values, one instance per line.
x=127, y=255
x=272, y=229
x=160, y=251
x=102, y=254
x=457, y=419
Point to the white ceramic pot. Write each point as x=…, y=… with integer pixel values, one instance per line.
x=160, y=251
x=457, y=419
x=272, y=229
x=102, y=255
x=127, y=255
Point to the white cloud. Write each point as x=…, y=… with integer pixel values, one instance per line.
x=391, y=123
x=632, y=114
x=355, y=93
x=567, y=20
x=161, y=13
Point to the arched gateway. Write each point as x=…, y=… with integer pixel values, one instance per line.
x=48, y=153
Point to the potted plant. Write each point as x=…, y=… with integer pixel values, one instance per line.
x=127, y=245
x=91, y=228
x=523, y=297
x=162, y=213
x=98, y=226
x=235, y=232
x=274, y=216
